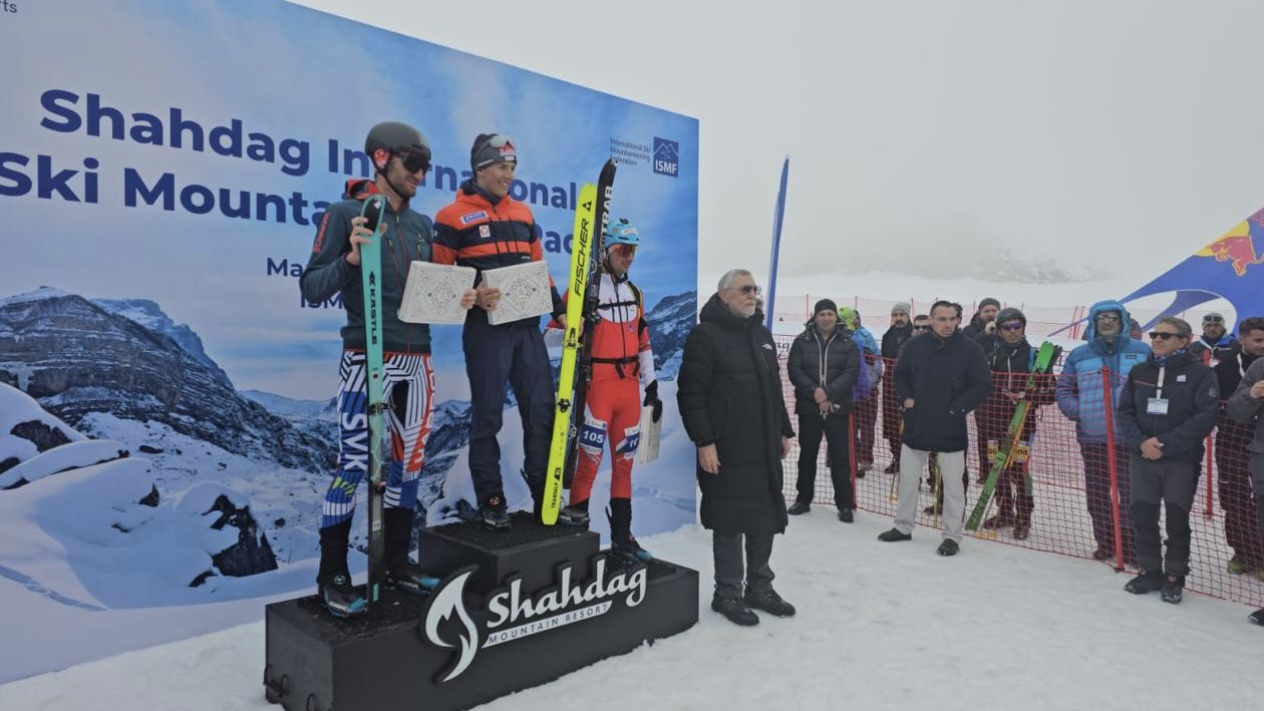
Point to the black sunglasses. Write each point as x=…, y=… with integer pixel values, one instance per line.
x=1163, y=335
x=921, y=328
x=414, y=162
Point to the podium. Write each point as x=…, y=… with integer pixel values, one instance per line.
x=515, y=609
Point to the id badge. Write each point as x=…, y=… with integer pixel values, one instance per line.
x=1156, y=406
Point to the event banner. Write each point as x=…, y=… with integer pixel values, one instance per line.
x=167, y=415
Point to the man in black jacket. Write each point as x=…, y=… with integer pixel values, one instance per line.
x=938, y=379
x=892, y=341
x=1233, y=473
x=1168, y=407
x=823, y=366
x=1246, y=405
x=732, y=408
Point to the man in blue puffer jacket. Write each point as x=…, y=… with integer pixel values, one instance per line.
x=1082, y=398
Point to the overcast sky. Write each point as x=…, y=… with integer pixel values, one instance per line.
x=1118, y=134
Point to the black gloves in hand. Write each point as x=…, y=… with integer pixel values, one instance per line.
x=651, y=398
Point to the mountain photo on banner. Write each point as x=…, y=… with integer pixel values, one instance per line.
x=167, y=416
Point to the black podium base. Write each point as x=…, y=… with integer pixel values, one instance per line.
x=515, y=610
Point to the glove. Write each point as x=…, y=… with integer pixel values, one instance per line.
x=651, y=398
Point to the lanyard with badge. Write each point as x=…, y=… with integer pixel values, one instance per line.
x=1157, y=405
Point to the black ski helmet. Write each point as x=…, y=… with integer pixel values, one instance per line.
x=393, y=137
x=1009, y=313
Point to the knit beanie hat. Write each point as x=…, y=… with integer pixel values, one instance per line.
x=824, y=305
x=902, y=306
x=989, y=301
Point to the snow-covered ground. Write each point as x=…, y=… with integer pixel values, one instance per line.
x=879, y=626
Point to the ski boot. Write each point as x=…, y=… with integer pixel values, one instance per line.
x=402, y=573
x=333, y=583
x=494, y=514
x=575, y=514
x=622, y=542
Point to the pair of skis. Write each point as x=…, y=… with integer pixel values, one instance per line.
x=1040, y=368
x=592, y=213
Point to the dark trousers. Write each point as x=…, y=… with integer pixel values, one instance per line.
x=1173, y=484
x=730, y=569
x=1097, y=493
x=838, y=439
x=892, y=417
x=1233, y=484
x=865, y=413
x=495, y=355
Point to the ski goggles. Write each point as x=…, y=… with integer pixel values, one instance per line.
x=1217, y=320
x=624, y=250
x=413, y=161
x=1012, y=326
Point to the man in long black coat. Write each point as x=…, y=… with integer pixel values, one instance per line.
x=729, y=392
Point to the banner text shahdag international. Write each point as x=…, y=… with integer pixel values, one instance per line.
x=50, y=178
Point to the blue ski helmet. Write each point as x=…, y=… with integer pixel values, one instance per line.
x=622, y=232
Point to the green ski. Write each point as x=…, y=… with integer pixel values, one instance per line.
x=371, y=276
x=1041, y=366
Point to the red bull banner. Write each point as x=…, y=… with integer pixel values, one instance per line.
x=1224, y=269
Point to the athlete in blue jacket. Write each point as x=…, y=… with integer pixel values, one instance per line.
x=1082, y=397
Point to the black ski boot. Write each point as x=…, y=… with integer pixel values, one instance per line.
x=333, y=582
x=1147, y=582
x=401, y=572
x=575, y=514
x=494, y=514
x=622, y=542
x=1173, y=588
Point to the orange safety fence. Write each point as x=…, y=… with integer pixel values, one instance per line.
x=1068, y=492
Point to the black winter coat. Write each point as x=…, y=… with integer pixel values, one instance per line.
x=842, y=366
x=1192, y=392
x=729, y=392
x=1010, y=366
x=946, y=379
x=893, y=341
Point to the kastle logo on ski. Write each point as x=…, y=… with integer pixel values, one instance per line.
x=512, y=616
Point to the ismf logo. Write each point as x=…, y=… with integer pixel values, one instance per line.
x=666, y=157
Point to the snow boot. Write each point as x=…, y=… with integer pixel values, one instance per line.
x=1173, y=588
x=401, y=572
x=799, y=508
x=736, y=610
x=1257, y=617
x=846, y=515
x=333, y=581
x=948, y=548
x=1147, y=582
x=769, y=602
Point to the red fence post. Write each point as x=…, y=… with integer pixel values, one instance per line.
x=1107, y=395
x=851, y=453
